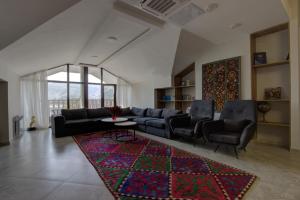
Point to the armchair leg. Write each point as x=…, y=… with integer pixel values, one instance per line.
x=216, y=149
x=236, y=152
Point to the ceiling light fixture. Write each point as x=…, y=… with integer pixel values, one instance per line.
x=211, y=7
x=112, y=39
x=94, y=56
x=236, y=25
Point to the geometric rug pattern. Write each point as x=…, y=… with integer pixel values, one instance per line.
x=147, y=169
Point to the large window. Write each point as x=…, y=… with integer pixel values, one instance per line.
x=73, y=87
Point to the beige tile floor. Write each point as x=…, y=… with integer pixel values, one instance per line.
x=38, y=166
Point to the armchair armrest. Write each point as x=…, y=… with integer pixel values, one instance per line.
x=169, y=130
x=177, y=121
x=247, y=135
x=57, y=125
x=198, y=130
x=212, y=127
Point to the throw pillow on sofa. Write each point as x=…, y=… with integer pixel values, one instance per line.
x=138, y=111
x=156, y=113
x=169, y=112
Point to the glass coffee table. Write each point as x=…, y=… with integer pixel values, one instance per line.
x=116, y=120
x=112, y=122
x=127, y=135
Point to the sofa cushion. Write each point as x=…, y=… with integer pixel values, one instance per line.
x=142, y=120
x=151, y=112
x=78, y=123
x=138, y=111
x=74, y=114
x=158, y=123
x=126, y=112
x=98, y=113
x=156, y=113
x=225, y=137
x=234, y=125
x=169, y=112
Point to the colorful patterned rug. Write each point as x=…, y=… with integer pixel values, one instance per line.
x=147, y=169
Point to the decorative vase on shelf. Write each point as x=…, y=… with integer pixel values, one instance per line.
x=264, y=107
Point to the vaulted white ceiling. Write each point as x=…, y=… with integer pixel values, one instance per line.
x=20, y=17
x=142, y=50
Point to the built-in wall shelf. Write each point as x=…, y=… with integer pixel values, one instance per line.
x=274, y=124
x=274, y=42
x=171, y=88
x=185, y=86
x=281, y=63
x=180, y=95
x=175, y=101
x=274, y=100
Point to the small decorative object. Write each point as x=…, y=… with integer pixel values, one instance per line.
x=187, y=82
x=32, y=125
x=115, y=112
x=182, y=83
x=260, y=58
x=188, y=110
x=273, y=93
x=264, y=107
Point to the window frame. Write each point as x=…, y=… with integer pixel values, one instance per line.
x=85, y=85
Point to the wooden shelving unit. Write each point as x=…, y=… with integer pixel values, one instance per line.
x=177, y=90
x=276, y=73
x=274, y=124
x=282, y=63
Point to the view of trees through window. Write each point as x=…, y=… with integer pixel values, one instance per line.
x=67, y=85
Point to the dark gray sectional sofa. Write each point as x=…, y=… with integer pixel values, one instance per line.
x=71, y=122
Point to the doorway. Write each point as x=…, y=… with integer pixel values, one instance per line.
x=4, y=123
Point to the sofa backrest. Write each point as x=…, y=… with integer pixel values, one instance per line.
x=74, y=114
x=169, y=112
x=138, y=111
x=155, y=113
x=98, y=113
x=126, y=112
x=239, y=110
x=201, y=109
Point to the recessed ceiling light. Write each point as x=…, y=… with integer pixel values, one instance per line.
x=236, y=25
x=112, y=39
x=211, y=7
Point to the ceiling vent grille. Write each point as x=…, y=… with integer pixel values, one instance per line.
x=162, y=7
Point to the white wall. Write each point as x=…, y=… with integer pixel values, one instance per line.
x=143, y=93
x=293, y=9
x=13, y=95
x=240, y=47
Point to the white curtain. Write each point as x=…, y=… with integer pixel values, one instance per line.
x=34, y=98
x=123, y=93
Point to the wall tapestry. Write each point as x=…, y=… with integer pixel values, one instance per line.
x=221, y=81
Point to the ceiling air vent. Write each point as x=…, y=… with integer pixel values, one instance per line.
x=162, y=7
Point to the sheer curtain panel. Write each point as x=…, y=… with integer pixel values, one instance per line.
x=123, y=93
x=34, y=98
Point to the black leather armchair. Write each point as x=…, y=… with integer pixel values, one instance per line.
x=236, y=126
x=191, y=125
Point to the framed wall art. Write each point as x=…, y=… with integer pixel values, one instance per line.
x=221, y=81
